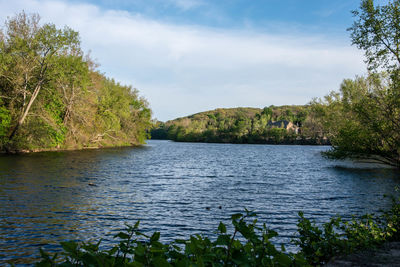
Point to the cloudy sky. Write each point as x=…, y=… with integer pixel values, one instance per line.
x=188, y=56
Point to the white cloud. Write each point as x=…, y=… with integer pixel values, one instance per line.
x=186, y=69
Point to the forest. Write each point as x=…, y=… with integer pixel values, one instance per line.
x=53, y=97
x=270, y=125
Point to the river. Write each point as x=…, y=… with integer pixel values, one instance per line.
x=176, y=188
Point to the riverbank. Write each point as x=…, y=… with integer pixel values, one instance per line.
x=38, y=150
x=297, y=142
x=386, y=255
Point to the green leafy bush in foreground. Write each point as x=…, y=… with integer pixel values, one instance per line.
x=248, y=245
x=338, y=237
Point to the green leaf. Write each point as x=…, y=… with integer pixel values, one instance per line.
x=155, y=237
x=223, y=240
x=122, y=235
x=222, y=228
x=283, y=259
x=134, y=264
x=161, y=262
x=136, y=226
x=236, y=216
x=70, y=246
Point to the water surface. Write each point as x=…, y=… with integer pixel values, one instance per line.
x=175, y=188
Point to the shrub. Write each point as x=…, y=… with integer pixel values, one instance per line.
x=248, y=245
x=338, y=237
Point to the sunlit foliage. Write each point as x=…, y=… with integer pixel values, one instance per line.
x=362, y=120
x=52, y=96
x=271, y=125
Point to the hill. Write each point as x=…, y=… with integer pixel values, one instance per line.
x=270, y=125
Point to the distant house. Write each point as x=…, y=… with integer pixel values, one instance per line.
x=284, y=124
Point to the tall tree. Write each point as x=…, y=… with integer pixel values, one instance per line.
x=363, y=118
x=29, y=51
x=362, y=121
x=376, y=30
x=52, y=96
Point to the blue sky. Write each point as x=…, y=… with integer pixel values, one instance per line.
x=264, y=15
x=312, y=14
x=188, y=56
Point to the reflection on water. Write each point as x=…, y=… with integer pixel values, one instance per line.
x=49, y=197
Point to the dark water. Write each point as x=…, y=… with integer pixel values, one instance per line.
x=45, y=197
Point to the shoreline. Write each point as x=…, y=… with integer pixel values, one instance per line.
x=38, y=150
x=302, y=142
x=388, y=254
x=27, y=151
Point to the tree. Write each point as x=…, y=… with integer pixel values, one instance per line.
x=29, y=51
x=51, y=95
x=362, y=119
x=376, y=30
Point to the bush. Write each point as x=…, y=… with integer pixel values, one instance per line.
x=248, y=245
x=338, y=237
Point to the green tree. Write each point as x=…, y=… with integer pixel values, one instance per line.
x=376, y=30
x=28, y=53
x=52, y=96
x=362, y=119
x=240, y=125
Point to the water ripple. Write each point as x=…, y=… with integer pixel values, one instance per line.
x=176, y=188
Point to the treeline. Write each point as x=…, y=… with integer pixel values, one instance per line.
x=362, y=119
x=271, y=125
x=52, y=96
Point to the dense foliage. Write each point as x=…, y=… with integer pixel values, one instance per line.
x=376, y=31
x=51, y=95
x=362, y=119
x=273, y=125
x=338, y=237
x=248, y=245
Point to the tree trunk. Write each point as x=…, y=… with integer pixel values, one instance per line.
x=26, y=111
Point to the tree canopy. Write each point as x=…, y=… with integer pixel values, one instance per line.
x=376, y=30
x=271, y=125
x=51, y=95
x=362, y=119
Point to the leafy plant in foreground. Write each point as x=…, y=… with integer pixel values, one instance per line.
x=249, y=245
x=338, y=237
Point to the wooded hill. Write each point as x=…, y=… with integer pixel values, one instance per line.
x=361, y=119
x=271, y=125
x=53, y=97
